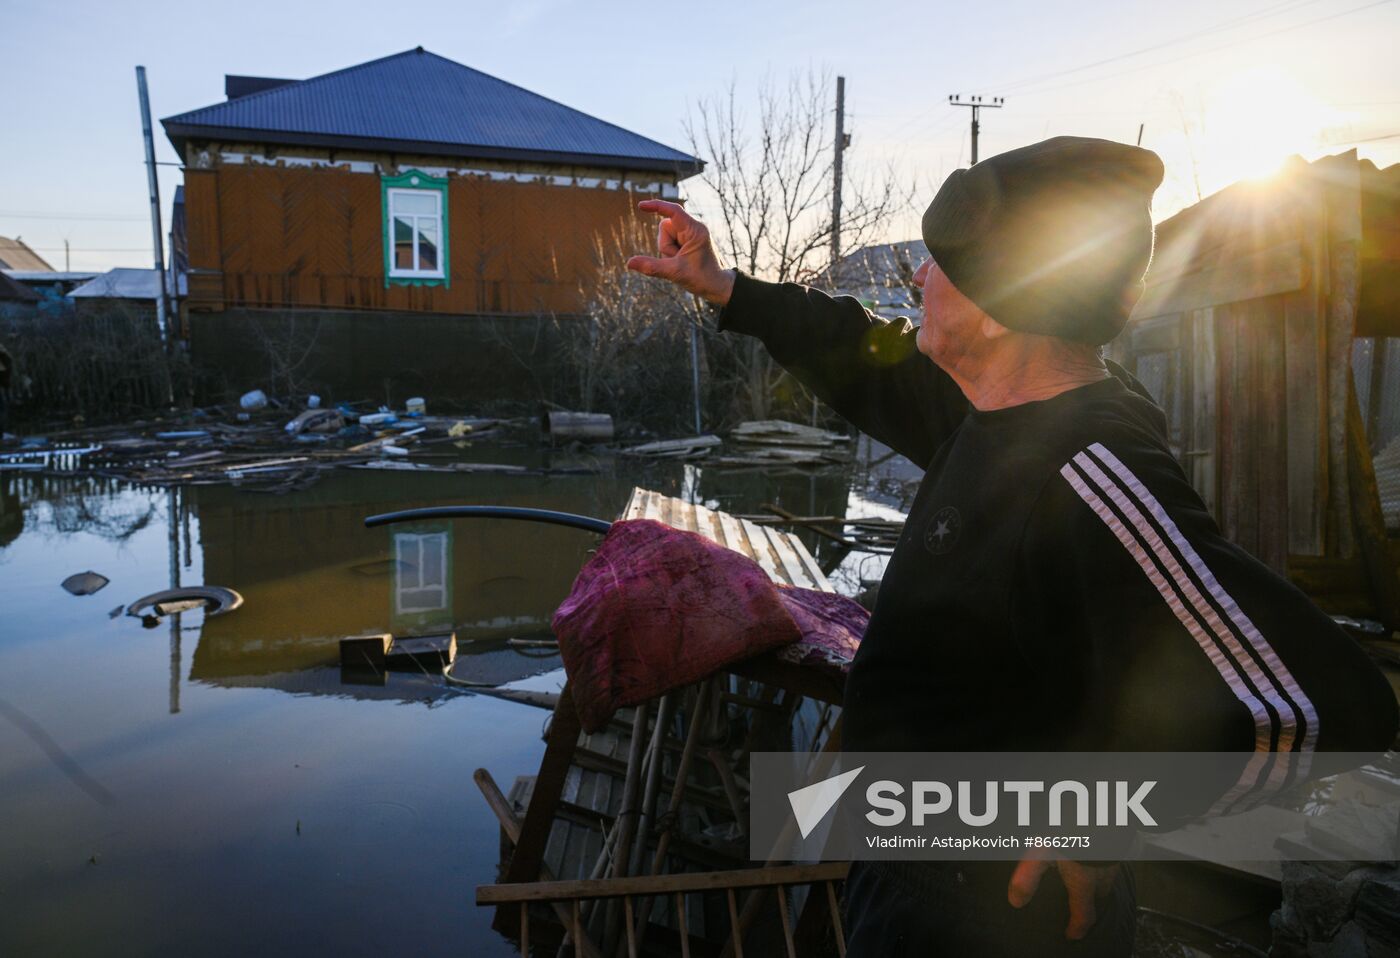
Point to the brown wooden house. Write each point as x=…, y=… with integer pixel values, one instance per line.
x=409, y=184
x=1267, y=333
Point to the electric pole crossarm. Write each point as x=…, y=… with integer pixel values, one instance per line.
x=976, y=103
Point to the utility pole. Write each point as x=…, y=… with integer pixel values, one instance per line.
x=67, y=266
x=843, y=140
x=162, y=314
x=976, y=103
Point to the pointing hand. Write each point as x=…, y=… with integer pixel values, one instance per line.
x=687, y=257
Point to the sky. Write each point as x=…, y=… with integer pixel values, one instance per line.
x=1221, y=89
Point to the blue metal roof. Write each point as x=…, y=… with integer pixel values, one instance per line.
x=419, y=102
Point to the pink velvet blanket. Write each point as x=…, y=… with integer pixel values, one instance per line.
x=656, y=609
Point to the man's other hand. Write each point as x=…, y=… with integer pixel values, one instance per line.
x=687, y=257
x=1084, y=883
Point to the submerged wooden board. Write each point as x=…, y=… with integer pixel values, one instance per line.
x=781, y=554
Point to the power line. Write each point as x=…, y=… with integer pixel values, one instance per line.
x=1287, y=7
x=1197, y=53
x=86, y=217
x=92, y=249
x=1292, y=5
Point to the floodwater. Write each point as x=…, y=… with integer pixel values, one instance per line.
x=213, y=787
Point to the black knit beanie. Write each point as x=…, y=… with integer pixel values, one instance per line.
x=1045, y=239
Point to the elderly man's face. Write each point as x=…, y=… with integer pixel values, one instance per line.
x=952, y=326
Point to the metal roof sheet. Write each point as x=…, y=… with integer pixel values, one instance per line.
x=124, y=283
x=49, y=275
x=417, y=101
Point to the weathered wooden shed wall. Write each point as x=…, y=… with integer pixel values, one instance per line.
x=1245, y=335
x=303, y=236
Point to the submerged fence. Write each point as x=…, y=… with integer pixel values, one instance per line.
x=102, y=363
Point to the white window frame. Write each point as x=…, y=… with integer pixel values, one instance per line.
x=412, y=590
x=396, y=272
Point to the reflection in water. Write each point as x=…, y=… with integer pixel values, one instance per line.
x=258, y=802
x=11, y=510
x=61, y=759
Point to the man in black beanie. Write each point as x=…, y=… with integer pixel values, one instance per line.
x=1059, y=585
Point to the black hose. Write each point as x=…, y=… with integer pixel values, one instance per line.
x=587, y=523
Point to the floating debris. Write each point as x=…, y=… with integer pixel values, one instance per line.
x=771, y=442
x=316, y=420
x=428, y=653
x=586, y=426
x=365, y=652
x=784, y=433
x=688, y=448
x=216, y=600
x=85, y=583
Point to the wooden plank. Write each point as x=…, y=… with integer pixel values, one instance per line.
x=734, y=537
x=686, y=883
x=1373, y=545
x=1267, y=272
x=812, y=683
x=1201, y=459
x=1339, y=185
x=505, y=815
x=1305, y=399
x=756, y=547
x=781, y=545
x=1271, y=398
x=539, y=817
x=1228, y=444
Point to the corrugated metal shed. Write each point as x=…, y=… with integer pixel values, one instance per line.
x=420, y=102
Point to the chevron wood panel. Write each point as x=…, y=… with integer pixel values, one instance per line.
x=314, y=237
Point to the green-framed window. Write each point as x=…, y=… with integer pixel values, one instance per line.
x=415, y=230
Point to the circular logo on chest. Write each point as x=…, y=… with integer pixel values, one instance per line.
x=943, y=531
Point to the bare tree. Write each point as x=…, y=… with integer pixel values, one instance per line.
x=630, y=346
x=769, y=184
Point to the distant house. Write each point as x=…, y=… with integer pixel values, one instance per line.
x=406, y=183
x=13, y=291
x=50, y=286
x=881, y=276
x=15, y=255
x=136, y=288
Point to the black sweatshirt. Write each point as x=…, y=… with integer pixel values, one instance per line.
x=1059, y=584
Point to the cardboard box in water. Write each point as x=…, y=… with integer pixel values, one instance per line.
x=422, y=653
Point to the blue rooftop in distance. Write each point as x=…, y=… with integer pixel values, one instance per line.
x=419, y=102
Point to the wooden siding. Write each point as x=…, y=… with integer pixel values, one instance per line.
x=1246, y=336
x=290, y=236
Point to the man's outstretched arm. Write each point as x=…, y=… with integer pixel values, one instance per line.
x=868, y=369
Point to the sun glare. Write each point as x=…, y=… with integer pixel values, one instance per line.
x=1253, y=121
